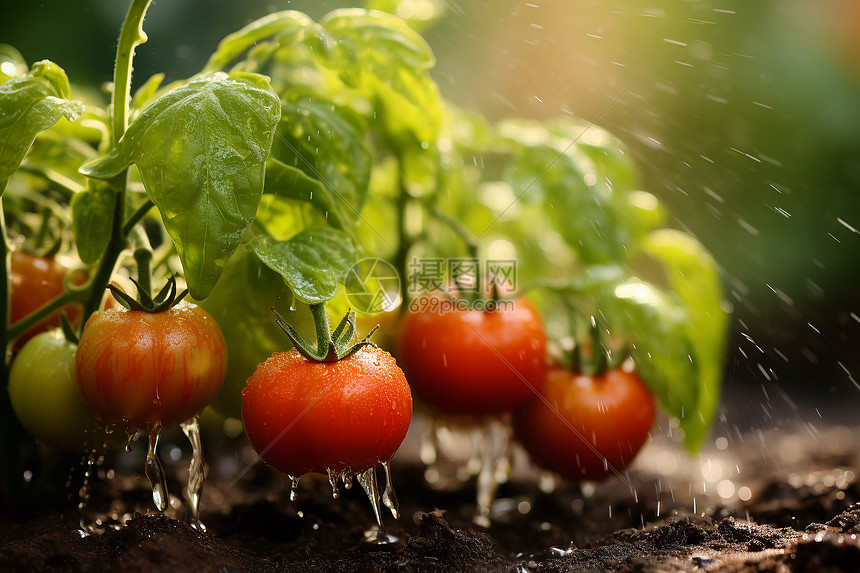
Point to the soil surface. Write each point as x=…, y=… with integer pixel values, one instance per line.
x=780, y=501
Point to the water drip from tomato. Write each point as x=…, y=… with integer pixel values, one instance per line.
x=294, y=487
x=154, y=470
x=495, y=466
x=196, y=471
x=332, y=479
x=389, y=497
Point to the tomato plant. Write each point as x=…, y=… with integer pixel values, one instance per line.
x=135, y=367
x=474, y=361
x=300, y=149
x=45, y=397
x=586, y=427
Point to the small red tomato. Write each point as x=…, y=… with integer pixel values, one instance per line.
x=135, y=367
x=303, y=416
x=35, y=281
x=471, y=361
x=586, y=427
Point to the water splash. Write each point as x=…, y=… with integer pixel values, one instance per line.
x=154, y=469
x=196, y=471
x=88, y=461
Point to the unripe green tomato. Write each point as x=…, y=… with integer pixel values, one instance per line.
x=45, y=397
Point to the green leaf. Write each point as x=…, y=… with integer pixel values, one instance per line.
x=385, y=60
x=286, y=26
x=663, y=354
x=201, y=150
x=287, y=182
x=29, y=104
x=311, y=263
x=320, y=140
x=92, y=219
x=583, y=190
x=282, y=217
x=693, y=275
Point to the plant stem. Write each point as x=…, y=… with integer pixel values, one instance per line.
x=405, y=240
x=137, y=217
x=67, y=187
x=130, y=37
x=43, y=311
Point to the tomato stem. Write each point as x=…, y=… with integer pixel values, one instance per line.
x=331, y=346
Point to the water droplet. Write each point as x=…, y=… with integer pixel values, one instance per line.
x=84, y=492
x=154, y=469
x=196, y=471
x=367, y=479
x=389, y=497
x=294, y=487
x=332, y=479
x=346, y=476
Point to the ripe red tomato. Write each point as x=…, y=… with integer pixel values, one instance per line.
x=303, y=416
x=135, y=367
x=35, y=281
x=471, y=361
x=584, y=427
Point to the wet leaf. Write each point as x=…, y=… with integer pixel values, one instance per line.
x=663, y=353
x=693, y=275
x=311, y=263
x=201, y=151
x=583, y=187
x=385, y=60
x=321, y=142
x=31, y=103
x=287, y=26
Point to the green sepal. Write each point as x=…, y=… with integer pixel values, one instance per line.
x=330, y=346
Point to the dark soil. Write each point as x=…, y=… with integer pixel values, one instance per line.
x=786, y=501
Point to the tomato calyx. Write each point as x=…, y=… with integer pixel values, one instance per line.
x=330, y=346
x=594, y=357
x=145, y=302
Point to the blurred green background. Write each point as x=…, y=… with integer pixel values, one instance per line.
x=744, y=116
